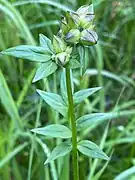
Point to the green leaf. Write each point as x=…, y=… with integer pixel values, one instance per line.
x=54, y=130
x=83, y=94
x=94, y=118
x=73, y=64
x=45, y=42
x=90, y=149
x=32, y=53
x=10, y=155
x=60, y=150
x=44, y=70
x=55, y=101
x=8, y=102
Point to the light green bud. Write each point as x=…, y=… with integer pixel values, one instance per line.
x=75, y=17
x=62, y=58
x=88, y=37
x=73, y=36
x=83, y=10
x=86, y=15
x=58, y=44
x=86, y=20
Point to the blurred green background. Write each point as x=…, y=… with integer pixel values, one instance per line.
x=111, y=64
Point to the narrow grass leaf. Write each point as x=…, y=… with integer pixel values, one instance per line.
x=55, y=101
x=44, y=70
x=83, y=94
x=126, y=174
x=12, y=154
x=46, y=149
x=49, y=2
x=18, y=20
x=54, y=130
x=90, y=149
x=8, y=101
x=110, y=75
x=32, y=53
x=59, y=151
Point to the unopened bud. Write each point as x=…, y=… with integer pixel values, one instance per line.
x=73, y=36
x=58, y=44
x=62, y=58
x=86, y=15
x=83, y=10
x=88, y=37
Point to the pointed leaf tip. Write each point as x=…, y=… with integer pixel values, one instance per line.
x=55, y=131
x=44, y=70
x=55, y=101
x=83, y=94
x=90, y=149
x=61, y=150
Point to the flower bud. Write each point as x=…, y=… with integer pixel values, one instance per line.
x=73, y=36
x=58, y=44
x=83, y=10
x=86, y=20
x=85, y=16
x=88, y=37
x=62, y=58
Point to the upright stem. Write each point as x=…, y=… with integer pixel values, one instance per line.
x=73, y=125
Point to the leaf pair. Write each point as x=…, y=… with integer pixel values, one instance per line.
x=86, y=147
x=60, y=103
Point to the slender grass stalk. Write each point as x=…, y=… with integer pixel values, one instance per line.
x=32, y=146
x=73, y=125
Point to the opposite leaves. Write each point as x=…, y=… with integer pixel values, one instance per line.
x=32, y=53
x=60, y=150
x=54, y=130
x=90, y=149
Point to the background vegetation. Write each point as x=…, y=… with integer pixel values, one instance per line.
x=111, y=65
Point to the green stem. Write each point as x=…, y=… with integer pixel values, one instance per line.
x=73, y=125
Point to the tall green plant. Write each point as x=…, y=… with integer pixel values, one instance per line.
x=76, y=32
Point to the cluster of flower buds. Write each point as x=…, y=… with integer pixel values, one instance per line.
x=77, y=27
